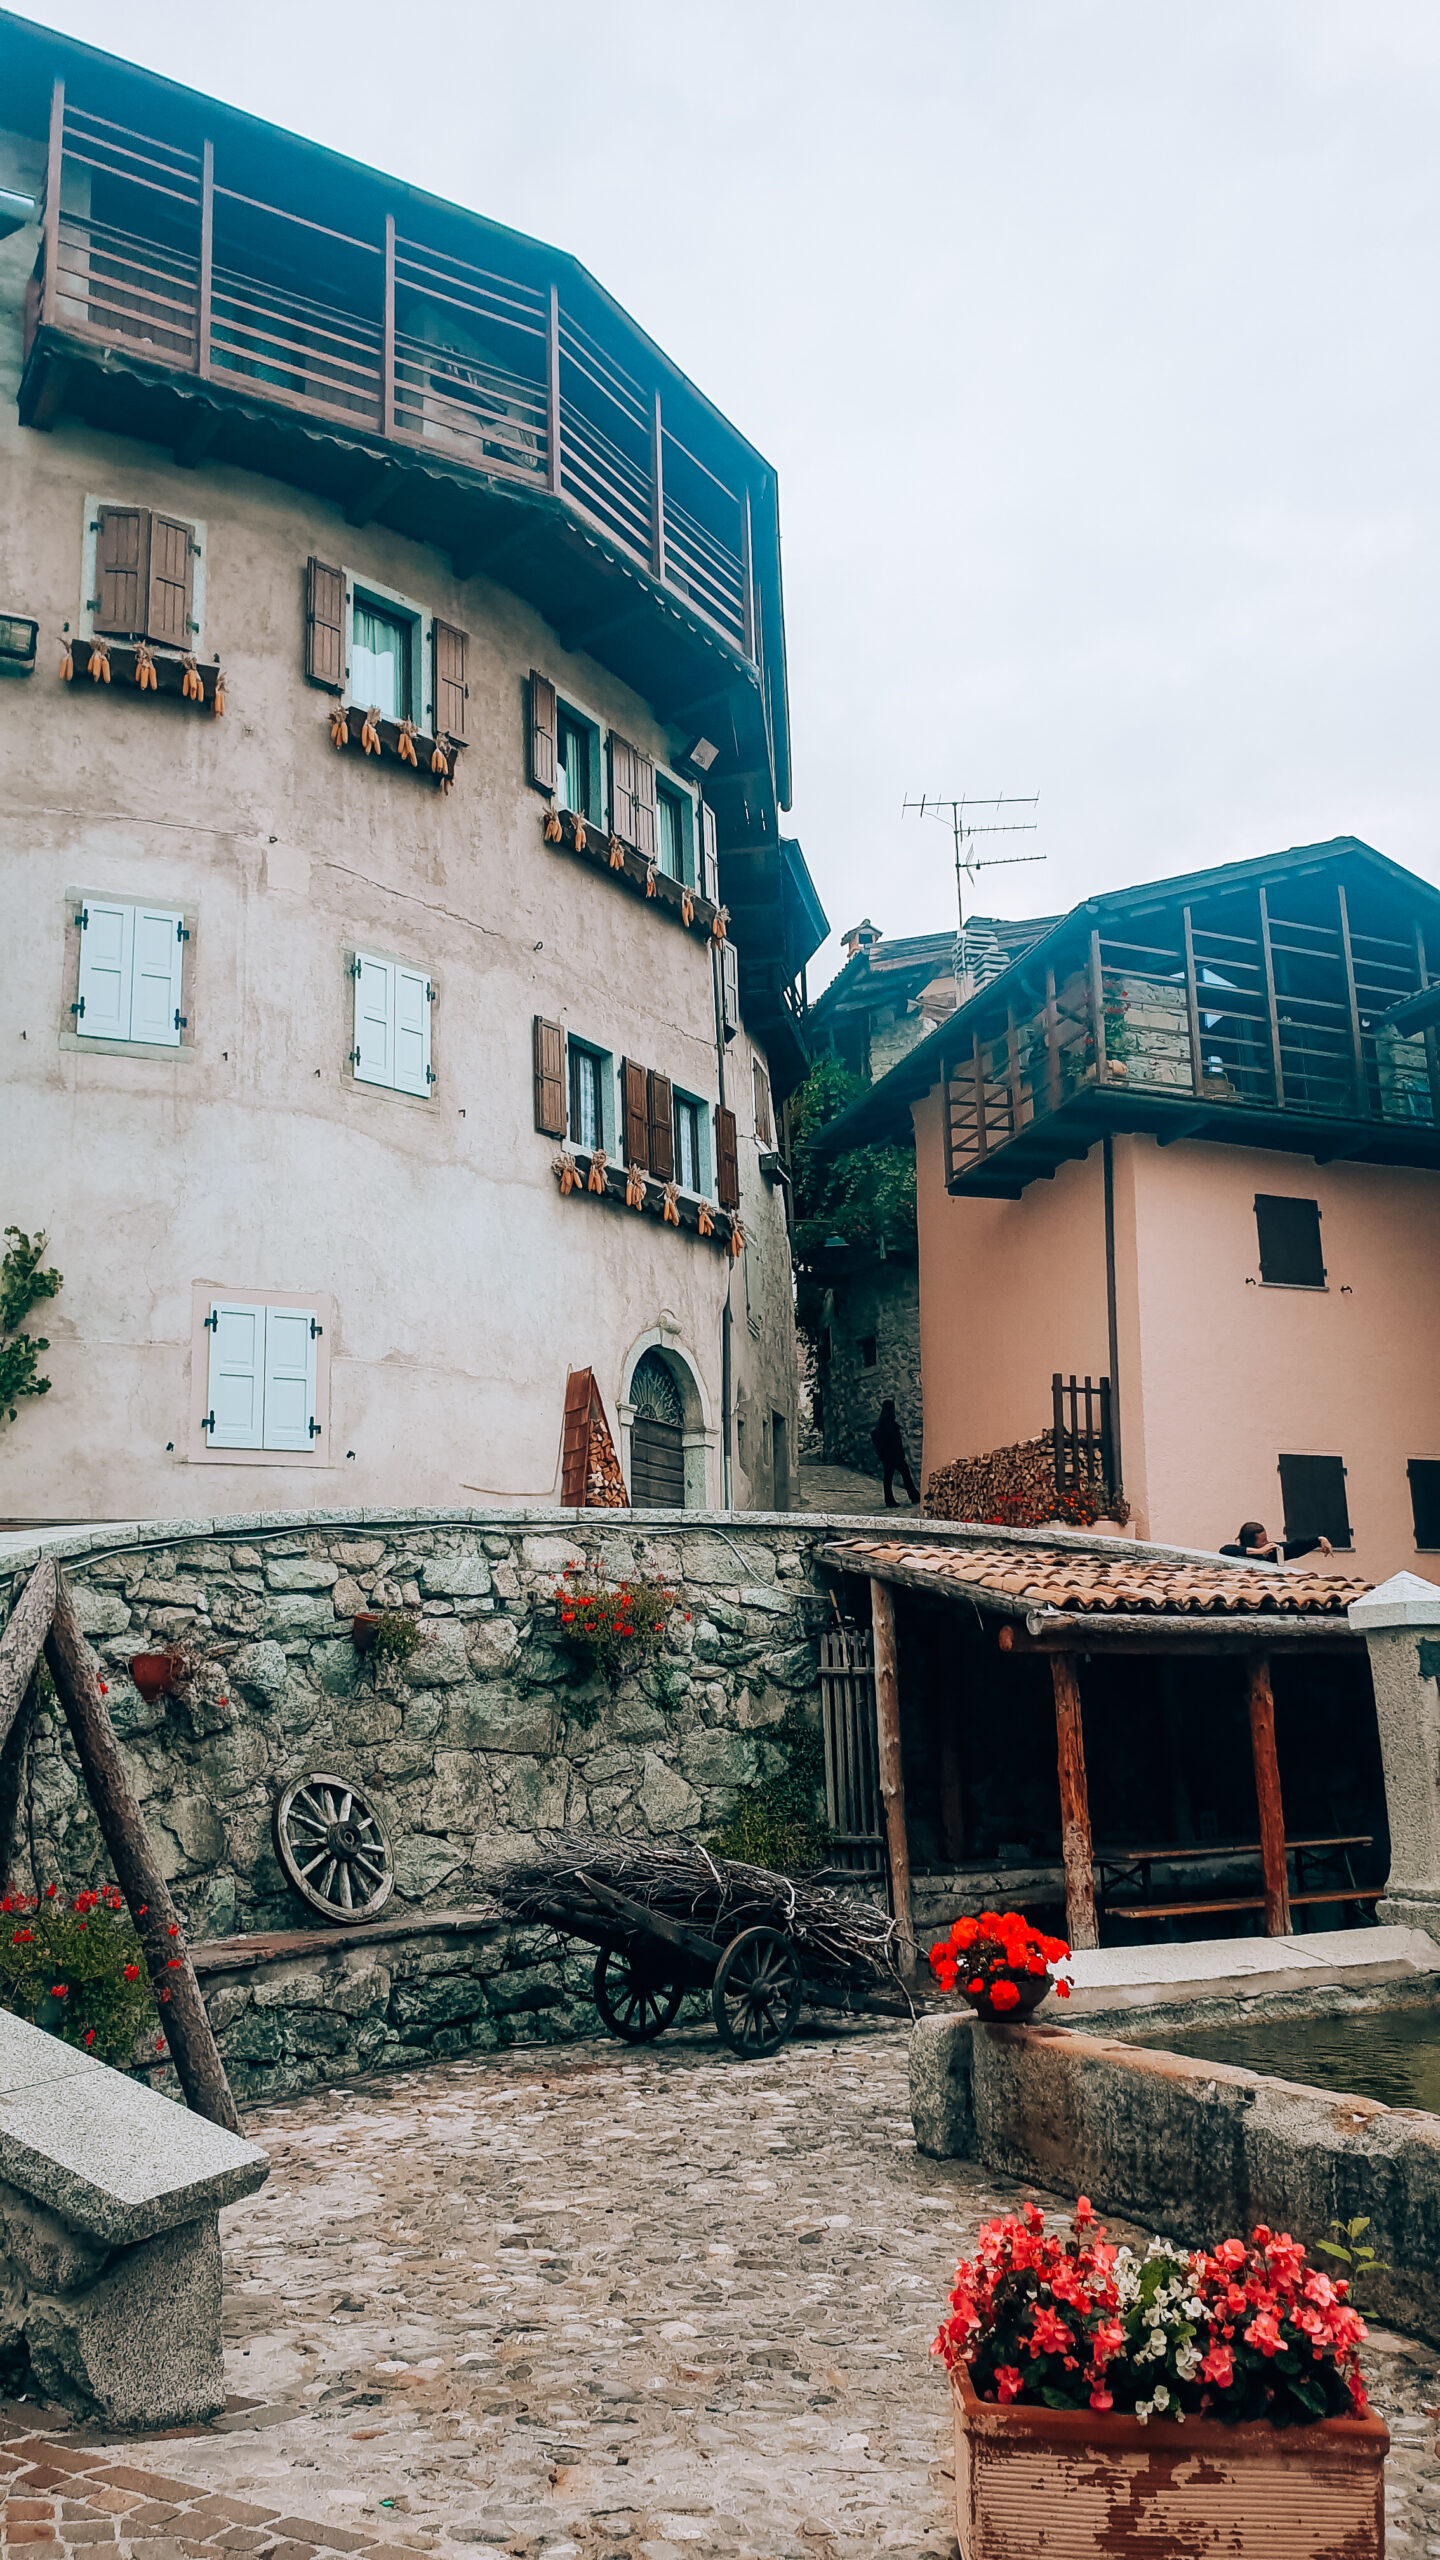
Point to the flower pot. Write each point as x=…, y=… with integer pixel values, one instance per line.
x=153, y=1674
x=1032, y=1991
x=363, y=1629
x=1074, y=2482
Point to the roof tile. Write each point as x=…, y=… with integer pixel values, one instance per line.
x=1062, y=1578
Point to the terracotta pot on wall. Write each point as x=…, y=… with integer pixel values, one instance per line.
x=153, y=1674
x=1074, y=2482
x=362, y=1629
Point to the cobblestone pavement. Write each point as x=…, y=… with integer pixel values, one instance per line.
x=589, y=2305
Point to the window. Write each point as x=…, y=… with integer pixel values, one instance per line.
x=868, y=1350
x=676, y=821
x=380, y=649
x=130, y=974
x=392, y=1024
x=587, y=1096
x=261, y=1376
x=577, y=763
x=1313, y=1491
x=141, y=572
x=688, y=1169
x=1424, y=1476
x=1289, y=1233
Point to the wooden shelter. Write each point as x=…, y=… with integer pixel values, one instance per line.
x=1094, y=1611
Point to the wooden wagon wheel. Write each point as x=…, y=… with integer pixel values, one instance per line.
x=329, y=1841
x=757, y=1992
x=636, y=2000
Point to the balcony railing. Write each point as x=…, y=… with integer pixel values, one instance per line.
x=1275, y=1013
x=143, y=247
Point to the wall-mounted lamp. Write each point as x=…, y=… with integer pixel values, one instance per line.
x=701, y=755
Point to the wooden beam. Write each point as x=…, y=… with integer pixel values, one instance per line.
x=552, y=394
x=387, y=335
x=53, y=165
x=1138, y=1633
x=1431, y=1036
x=657, y=492
x=1097, y=1008
x=200, y=433
x=747, y=577
x=1192, y=1005
x=182, y=2010
x=370, y=497
x=1357, y=1042
x=1076, y=1846
x=207, y=260
x=1054, y=1083
x=1271, y=1006
x=982, y=1127
x=23, y=1641
x=1267, y=1792
x=892, y=1777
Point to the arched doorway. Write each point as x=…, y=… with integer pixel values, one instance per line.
x=657, y=1436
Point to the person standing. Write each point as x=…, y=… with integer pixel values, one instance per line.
x=889, y=1447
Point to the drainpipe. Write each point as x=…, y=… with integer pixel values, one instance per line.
x=726, y=1356
x=1112, y=1316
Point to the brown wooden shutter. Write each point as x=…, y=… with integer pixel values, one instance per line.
x=646, y=836
x=727, y=1159
x=325, y=625
x=549, y=1078
x=122, y=570
x=170, y=613
x=575, y=1446
x=637, y=1115
x=451, y=689
x=622, y=787
x=542, y=726
x=709, y=855
x=662, y=1127
x=762, y=1103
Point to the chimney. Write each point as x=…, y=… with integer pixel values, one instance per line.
x=860, y=938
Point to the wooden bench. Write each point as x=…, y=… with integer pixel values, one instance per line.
x=1247, y=1902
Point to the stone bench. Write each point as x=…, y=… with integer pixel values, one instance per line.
x=109, y=2236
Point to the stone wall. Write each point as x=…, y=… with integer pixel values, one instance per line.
x=879, y=1305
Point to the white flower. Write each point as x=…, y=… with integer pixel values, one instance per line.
x=1162, y=2396
x=1157, y=2342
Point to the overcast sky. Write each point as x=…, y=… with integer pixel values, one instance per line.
x=1094, y=342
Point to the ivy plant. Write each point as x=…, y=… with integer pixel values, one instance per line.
x=23, y=1285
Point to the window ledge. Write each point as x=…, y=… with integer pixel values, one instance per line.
x=645, y=878
x=355, y=716
x=725, y=1226
x=169, y=666
x=1304, y=1288
x=183, y=1050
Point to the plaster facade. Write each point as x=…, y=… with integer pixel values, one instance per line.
x=248, y=1161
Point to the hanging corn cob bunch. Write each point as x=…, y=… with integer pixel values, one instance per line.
x=672, y=1204
x=737, y=1239
x=652, y=874
x=722, y=919
x=369, y=731
x=705, y=1224
x=566, y=1171
x=634, y=1187
x=339, y=726
x=191, y=687
x=67, y=662
x=687, y=907
x=617, y=854
x=439, y=761
x=598, y=1161
x=554, y=832
x=405, y=743
x=580, y=836
x=217, y=706
x=100, y=661
x=145, y=675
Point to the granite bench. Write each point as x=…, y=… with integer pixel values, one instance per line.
x=109, y=2236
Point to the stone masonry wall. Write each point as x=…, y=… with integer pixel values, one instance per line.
x=881, y=1305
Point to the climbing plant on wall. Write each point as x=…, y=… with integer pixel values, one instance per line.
x=23, y=1286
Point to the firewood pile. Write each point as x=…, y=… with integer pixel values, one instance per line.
x=1014, y=1488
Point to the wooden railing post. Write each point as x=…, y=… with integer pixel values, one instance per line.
x=1054, y=1080
x=892, y=1778
x=1097, y=1007
x=1431, y=1036
x=1076, y=1846
x=387, y=335
x=747, y=576
x=205, y=302
x=1267, y=1791
x=982, y=1123
x=552, y=394
x=657, y=493
x=1192, y=1006
x=1271, y=1006
x=53, y=165
x=1357, y=1041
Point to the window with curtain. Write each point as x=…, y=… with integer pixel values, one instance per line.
x=380, y=650
x=687, y=1143
x=587, y=1097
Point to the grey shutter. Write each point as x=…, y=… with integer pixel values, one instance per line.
x=171, y=607
x=122, y=571
x=637, y=1115
x=729, y=989
x=709, y=855
x=645, y=833
x=1313, y=1490
x=662, y=1127
x=549, y=1078
x=623, y=760
x=1291, y=1253
x=325, y=626
x=451, y=651
x=541, y=732
x=727, y=1159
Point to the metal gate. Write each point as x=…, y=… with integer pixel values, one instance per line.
x=852, y=1776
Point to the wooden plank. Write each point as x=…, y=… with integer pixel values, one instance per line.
x=1138, y=1633
x=205, y=302
x=657, y=492
x=1192, y=1005
x=977, y=1069
x=892, y=1778
x=1357, y=1041
x=1431, y=1036
x=747, y=579
x=53, y=164
x=387, y=334
x=23, y=1640
x=1097, y=1008
x=182, y=2010
x=1054, y=1083
x=655, y=1924
x=1076, y=1846
x=1272, y=1008
x=552, y=394
x=1267, y=1790
x=947, y=1119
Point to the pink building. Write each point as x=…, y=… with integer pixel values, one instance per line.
x=1189, y=1142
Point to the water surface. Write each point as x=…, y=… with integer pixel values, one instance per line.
x=1389, y=2054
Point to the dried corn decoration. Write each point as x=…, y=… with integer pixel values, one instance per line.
x=704, y=1223
x=652, y=874
x=405, y=743
x=217, y=705
x=439, y=761
x=566, y=1171
x=339, y=726
x=617, y=854
x=672, y=1204
x=369, y=731
x=721, y=920
x=687, y=907
x=100, y=661
x=554, y=832
x=191, y=686
x=596, y=1180
x=581, y=839
x=737, y=1239
x=145, y=675
x=634, y=1187
x=67, y=662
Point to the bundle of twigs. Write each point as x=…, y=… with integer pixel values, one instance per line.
x=835, y=1934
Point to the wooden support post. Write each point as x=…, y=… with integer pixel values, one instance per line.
x=1267, y=1791
x=1192, y=1005
x=552, y=394
x=1076, y=1845
x=1097, y=1008
x=53, y=165
x=892, y=1778
x=387, y=334
x=206, y=299
x=23, y=1640
x=747, y=581
x=1357, y=1037
x=657, y=491
x=1277, y=1063
x=1054, y=1082
x=183, y=2014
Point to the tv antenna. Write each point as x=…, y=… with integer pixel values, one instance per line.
x=967, y=864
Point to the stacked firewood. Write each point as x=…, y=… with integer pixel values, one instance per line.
x=604, y=1483
x=1014, y=1488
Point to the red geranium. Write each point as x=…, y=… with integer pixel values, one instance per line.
x=997, y=1952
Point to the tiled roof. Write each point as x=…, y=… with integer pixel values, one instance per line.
x=1022, y=1578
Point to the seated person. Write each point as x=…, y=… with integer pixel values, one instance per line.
x=1253, y=1541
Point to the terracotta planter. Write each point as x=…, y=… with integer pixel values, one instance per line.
x=363, y=1627
x=1071, y=2483
x=153, y=1674
x=1032, y=1992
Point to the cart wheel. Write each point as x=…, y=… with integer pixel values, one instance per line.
x=756, y=1998
x=636, y=2001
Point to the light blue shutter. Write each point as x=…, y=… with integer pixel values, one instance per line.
x=107, y=944
x=412, y=1031
x=237, y=1377
x=155, y=997
x=289, y=1378
x=374, y=1059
